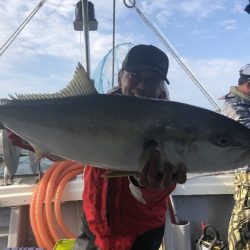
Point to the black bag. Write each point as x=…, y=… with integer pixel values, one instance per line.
x=210, y=240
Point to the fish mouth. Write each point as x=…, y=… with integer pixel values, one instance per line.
x=140, y=95
x=239, y=156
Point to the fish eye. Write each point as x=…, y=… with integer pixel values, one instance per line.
x=221, y=140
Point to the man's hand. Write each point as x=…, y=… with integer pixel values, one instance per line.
x=150, y=178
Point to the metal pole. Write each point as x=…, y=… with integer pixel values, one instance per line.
x=85, y=19
x=113, y=51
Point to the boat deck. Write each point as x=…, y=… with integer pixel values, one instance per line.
x=201, y=198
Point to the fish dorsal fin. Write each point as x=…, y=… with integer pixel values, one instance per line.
x=80, y=85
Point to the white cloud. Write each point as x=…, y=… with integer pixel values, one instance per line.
x=51, y=32
x=204, y=33
x=163, y=9
x=215, y=75
x=199, y=8
x=45, y=34
x=49, y=36
x=239, y=7
x=43, y=57
x=229, y=24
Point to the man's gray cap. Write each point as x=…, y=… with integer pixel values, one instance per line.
x=245, y=71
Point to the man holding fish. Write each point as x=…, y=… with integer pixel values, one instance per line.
x=129, y=212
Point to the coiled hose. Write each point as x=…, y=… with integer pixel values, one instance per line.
x=46, y=220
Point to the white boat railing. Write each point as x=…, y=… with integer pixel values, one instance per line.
x=20, y=192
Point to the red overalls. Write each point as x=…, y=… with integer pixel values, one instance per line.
x=114, y=215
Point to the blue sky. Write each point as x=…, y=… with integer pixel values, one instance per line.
x=211, y=36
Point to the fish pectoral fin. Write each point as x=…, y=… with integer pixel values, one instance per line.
x=56, y=158
x=114, y=173
x=38, y=157
x=39, y=154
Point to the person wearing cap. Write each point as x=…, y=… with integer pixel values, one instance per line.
x=237, y=101
x=129, y=212
x=237, y=107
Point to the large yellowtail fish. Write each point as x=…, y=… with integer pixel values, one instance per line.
x=114, y=131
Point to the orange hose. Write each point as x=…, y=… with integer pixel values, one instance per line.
x=57, y=202
x=32, y=215
x=47, y=242
x=43, y=222
x=52, y=184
